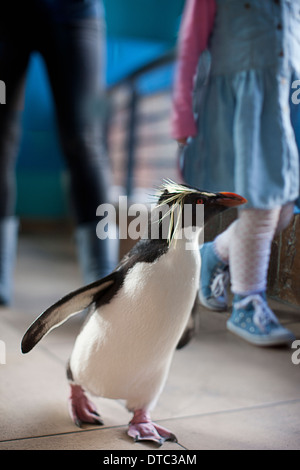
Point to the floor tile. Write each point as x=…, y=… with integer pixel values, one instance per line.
x=266, y=427
x=102, y=439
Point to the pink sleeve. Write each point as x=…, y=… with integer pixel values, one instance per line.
x=196, y=26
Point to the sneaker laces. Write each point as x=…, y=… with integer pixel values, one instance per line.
x=263, y=315
x=219, y=283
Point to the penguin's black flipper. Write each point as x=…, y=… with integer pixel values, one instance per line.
x=69, y=305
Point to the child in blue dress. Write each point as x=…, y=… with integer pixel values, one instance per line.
x=245, y=142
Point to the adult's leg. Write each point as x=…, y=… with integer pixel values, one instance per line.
x=72, y=54
x=13, y=63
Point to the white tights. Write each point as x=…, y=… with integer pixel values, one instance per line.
x=246, y=246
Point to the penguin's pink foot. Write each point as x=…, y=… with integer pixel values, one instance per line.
x=141, y=428
x=81, y=409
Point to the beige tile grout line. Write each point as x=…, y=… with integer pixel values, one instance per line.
x=199, y=415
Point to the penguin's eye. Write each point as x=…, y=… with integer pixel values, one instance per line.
x=199, y=201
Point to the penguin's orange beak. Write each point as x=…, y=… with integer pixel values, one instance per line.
x=231, y=199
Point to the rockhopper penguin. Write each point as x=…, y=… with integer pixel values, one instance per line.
x=138, y=314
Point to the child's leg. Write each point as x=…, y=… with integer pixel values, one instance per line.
x=249, y=251
x=286, y=215
x=247, y=242
x=252, y=224
x=222, y=242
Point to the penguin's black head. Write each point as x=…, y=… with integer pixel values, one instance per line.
x=180, y=197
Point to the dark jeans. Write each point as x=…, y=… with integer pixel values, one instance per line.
x=70, y=44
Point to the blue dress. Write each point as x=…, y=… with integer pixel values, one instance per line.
x=246, y=140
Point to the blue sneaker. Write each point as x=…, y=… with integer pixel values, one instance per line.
x=214, y=279
x=254, y=321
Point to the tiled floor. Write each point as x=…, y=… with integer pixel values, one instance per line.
x=221, y=393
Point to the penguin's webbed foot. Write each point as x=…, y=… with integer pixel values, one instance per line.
x=81, y=409
x=141, y=428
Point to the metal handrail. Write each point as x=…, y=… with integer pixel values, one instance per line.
x=130, y=80
x=163, y=59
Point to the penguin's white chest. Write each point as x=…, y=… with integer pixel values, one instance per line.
x=127, y=345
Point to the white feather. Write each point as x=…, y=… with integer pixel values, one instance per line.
x=177, y=188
